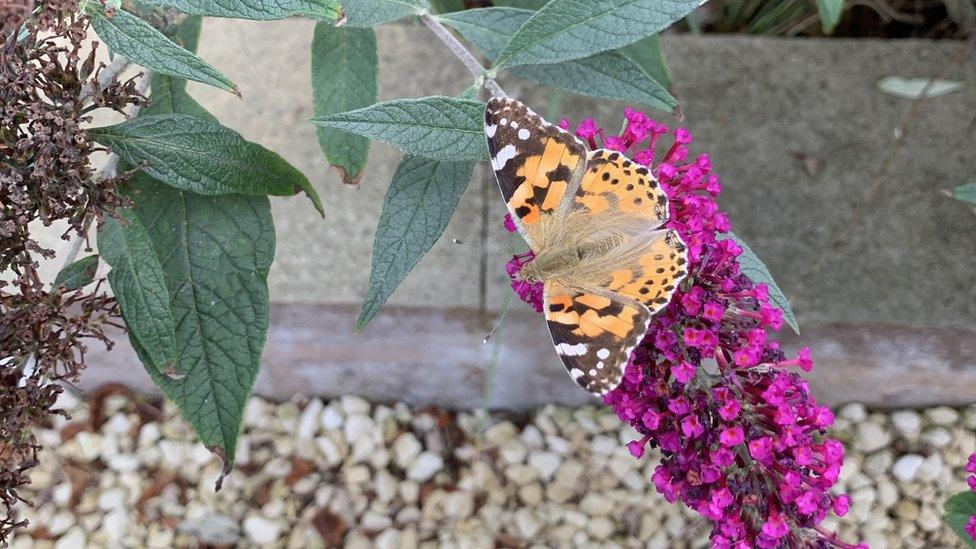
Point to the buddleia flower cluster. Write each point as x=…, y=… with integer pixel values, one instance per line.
x=48, y=90
x=970, y=526
x=742, y=441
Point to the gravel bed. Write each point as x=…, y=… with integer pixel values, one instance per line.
x=126, y=472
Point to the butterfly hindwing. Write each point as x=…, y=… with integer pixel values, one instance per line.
x=612, y=184
x=594, y=335
x=537, y=164
x=652, y=278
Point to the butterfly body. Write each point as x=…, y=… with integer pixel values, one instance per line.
x=592, y=220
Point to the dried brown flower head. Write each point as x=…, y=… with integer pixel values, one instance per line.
x=48, y=88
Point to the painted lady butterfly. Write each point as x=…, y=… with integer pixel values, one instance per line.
x=592, y=219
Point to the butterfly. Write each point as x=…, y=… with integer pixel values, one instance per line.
x=593, y=219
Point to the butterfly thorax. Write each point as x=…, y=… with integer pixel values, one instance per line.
x=565, y=262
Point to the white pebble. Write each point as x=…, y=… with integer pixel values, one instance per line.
x=263, y=530
x=424, y=467
x=907, y=467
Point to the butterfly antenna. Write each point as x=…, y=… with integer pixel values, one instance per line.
x=482, y=251
x=498, y=323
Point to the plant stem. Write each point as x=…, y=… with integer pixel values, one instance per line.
x=462, y=53
x=105, y=77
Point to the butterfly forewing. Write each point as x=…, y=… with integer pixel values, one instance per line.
x=538, y=165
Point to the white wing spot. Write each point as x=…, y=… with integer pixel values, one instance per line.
x=490, y=130
x=571, y=350
x=602, y=354
x=513, y=124
x=576, y=373
x=599, y=365
x=503, y=121
x=506, y=153
x=523, y=134
x=592, y=372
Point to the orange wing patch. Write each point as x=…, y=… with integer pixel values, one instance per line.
x=591, y=315
x=594, y=336
x=662, y=265
x=613, y=180
x=544, y=179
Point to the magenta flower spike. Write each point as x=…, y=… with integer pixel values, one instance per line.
x=743, y=442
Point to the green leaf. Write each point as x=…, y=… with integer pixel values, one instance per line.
x=609, y=74
x=756, y=270
x=829, y=11
x=263, y=10
x=369, y=13
x=133, y=38
x=417, y=207
x=137, y=281
x=187, y=32
x=215, y=253
x=436, y=127
x=344, y=71
x=199, y=155
x=447, y=6
x=533, y=5
x=965, y=192
x=79, y=274
x=646, y=53
x=916, y=88
x=958, y=508
x=571, y=29
x=167, y=91
x=489, y=29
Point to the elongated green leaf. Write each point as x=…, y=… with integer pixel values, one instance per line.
x=216, y=252
x=829, y=11
x=369, y=13
x=137, y=281
x=167, y=91
x=965, y=192
x=447, y=6
x=916, y=88
x=571, y=29
x=533, y=5
x=489, y=29
x=958, y=508
x=263, y=10
x=187, y=33
x=344, y=71
x=646, y=53
x=756, y=270
x=133, y=38
x=79, y=274
x=609, y=74
x=199, y=155
x=418, y=205
x=437, y=127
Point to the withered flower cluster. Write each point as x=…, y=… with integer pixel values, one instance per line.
x=48, y=88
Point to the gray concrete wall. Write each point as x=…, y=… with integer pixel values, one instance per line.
x=880, y=267
x=867, y=237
